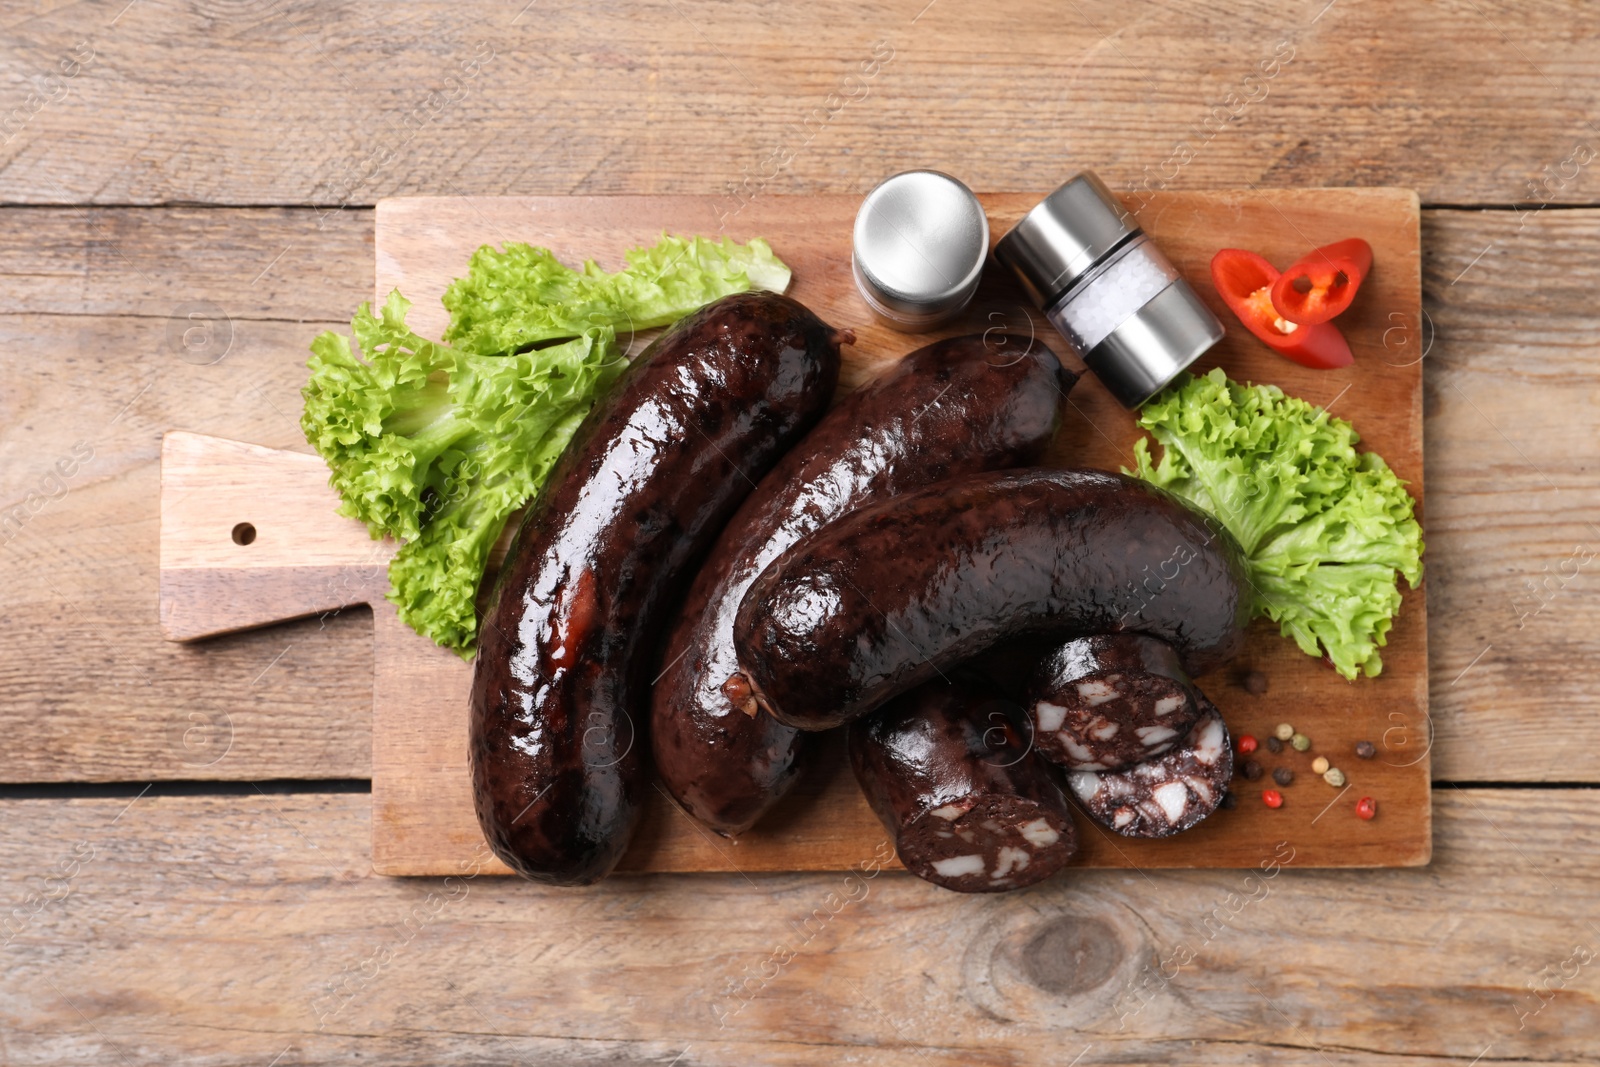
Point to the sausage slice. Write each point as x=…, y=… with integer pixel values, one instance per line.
x=1165, y=795
x=1106, y=702
x=948, y=771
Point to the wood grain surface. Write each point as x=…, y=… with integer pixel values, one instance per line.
x=242, y=929
x=247, y=102
x=233, y=930
x=251, y=536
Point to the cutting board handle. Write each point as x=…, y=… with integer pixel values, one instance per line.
x=250, y=536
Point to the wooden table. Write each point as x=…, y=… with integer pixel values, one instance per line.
x=186, y=873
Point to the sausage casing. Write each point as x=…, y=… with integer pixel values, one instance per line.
x=567, y=645
x=975, y=403
x=888, y=596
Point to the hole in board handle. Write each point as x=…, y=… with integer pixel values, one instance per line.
x=244, y=533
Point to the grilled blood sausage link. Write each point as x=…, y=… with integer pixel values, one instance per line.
x=970, y=808
x=887, y=596
x=1107, y=702
x=566, y=648
x=1167, y=794
x=967, y=404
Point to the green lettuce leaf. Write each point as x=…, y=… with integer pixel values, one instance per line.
x=434, y=579
x=523, y=295
x=1325, y=529
x=382, y=423
x=437, y=447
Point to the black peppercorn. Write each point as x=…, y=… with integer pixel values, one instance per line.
x=1283, y=776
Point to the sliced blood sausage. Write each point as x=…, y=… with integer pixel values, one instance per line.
x=1106, y=702
x=975, y=403
x=889, y=595
x=948, y=771
x=1167, y=794
x=660, y=463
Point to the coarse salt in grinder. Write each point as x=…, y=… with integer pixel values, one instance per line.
x=1106, y=286
x=919, y=245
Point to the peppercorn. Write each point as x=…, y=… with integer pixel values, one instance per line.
x=1334, y=777
x=1247, y=744
x=1272, y=798
x=1366, y=749
x=1320, y=765
x=1274, y=745
x=1284, y=731
x=1255, y=682
x=1229, y=801
x=1282, y=775
x=1300, y=742
x=1251, y=770
x=1366, y=807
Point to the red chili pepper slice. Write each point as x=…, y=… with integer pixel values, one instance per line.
x=1244, y=281
x=1322, y=284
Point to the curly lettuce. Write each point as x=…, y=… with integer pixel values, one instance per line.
x=436, y=445
x=1325, y=529
x=522, y=295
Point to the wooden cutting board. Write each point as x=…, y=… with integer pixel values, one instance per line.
x=249, y=535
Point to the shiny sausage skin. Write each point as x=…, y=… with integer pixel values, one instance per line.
x=890, y=595
x=567, y=646
x=1107, y=702
x=948, y=771
x=976, y=403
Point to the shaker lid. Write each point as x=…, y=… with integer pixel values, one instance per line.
x=921, y=238
x=1063, y=237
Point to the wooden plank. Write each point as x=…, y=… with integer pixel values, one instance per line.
x=233, y=930
x=290, y=102
x=85, y=302
x=424, y=821
x=1513, y=446
x=93, y=312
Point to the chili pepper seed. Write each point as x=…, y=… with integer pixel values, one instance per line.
x=1274, y=745
x=1284, y=731
x=1247, y=744
x=1272, y=798
x=1366, y=749
x=1320, y=765
x=1334, y=777
x=1300, y=742
x=1366, y=807
x=1283, y=775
